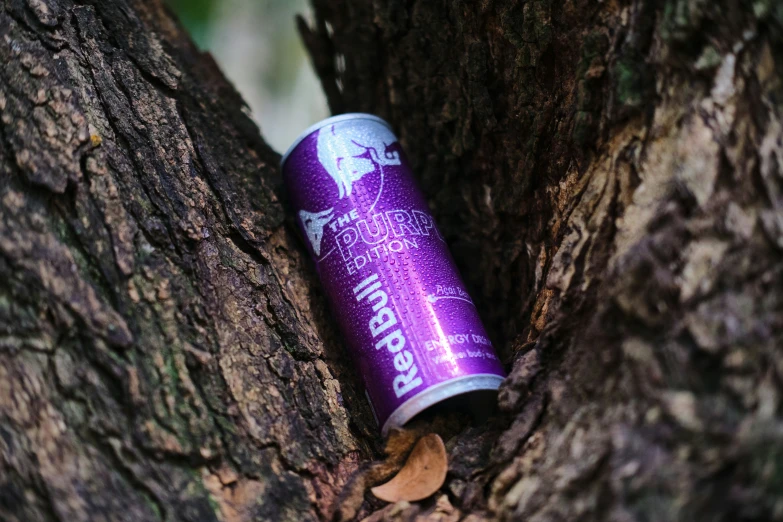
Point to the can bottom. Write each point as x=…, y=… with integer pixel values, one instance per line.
x=439, y=393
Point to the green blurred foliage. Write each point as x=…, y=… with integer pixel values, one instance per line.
x=258, y=48
x=196, y=16
x=288, y=52
x=274, y=17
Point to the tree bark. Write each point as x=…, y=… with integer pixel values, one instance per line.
x=607, y=174
x=163, y=353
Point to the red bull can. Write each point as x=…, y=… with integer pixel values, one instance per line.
x=411, y=328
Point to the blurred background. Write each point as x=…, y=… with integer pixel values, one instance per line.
x=259, y=50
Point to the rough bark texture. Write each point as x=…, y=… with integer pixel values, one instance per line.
x=160, y=354
x=609, y=176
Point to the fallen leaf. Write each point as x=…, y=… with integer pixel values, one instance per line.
x=422, y=475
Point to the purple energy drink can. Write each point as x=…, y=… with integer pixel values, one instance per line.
x=412, y=329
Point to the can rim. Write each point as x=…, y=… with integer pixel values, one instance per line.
x=438, y=393
x=323, y=123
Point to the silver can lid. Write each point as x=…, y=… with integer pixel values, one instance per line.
x=328, y=121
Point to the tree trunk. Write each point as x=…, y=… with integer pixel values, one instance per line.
x=607, y=174
x=163, y=354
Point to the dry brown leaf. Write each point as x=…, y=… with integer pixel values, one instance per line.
x=422, y=475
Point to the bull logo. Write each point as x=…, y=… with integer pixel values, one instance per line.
x=348, y=156
x=344, y=155
x=314, y=223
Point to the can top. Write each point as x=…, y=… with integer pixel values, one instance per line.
x=323, y=123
